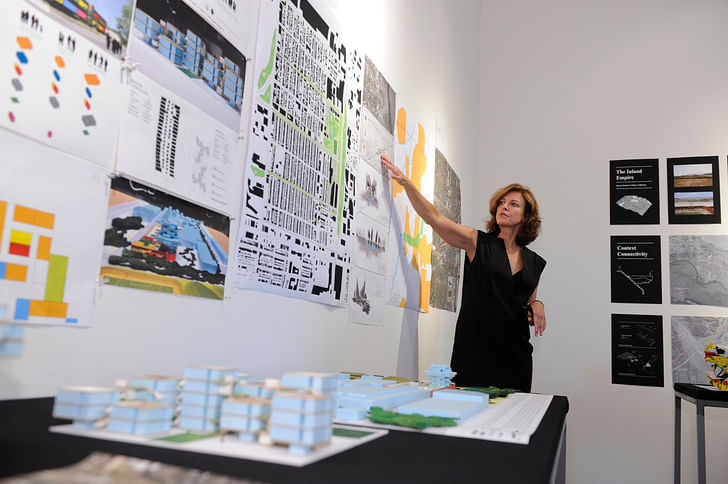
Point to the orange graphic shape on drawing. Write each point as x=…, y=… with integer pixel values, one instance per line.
x=60, y=62
x=92, y=79
x=24, y=43
x=401, y=125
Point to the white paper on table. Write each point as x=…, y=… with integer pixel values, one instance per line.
x=513, y=420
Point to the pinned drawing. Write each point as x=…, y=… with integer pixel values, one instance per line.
x=410, y=271
x=637, y=356
x=360, y=297
x=693, y=190
x=61, y=86
x=372, y=211
x=296, y=228
x=157, y=242
x=445, y=258
x=635, y=269
x=51, y=222
x=372, y=194
x=698, y=272
x=366, y=297
x=634, y=192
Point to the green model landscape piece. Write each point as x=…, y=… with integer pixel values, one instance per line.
x=186, y=437
x=415, y=420
x=492, y=391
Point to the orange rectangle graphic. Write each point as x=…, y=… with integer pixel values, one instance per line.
x=44, y=247
x=34, y=217
x=24, y=43
x=49, y=309
x=3, y=209
x=91, y=79
x=16, y=272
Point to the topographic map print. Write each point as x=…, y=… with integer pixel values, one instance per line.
x=690, y=336
x=699, y=270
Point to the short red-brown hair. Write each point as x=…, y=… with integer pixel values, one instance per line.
x=531, y=224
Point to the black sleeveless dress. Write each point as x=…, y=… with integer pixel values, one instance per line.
x=492, y=335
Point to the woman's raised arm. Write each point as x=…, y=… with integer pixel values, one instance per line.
x=460, y=236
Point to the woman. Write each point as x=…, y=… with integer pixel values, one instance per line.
x=500, y=284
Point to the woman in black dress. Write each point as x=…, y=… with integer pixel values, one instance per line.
x=500, y=284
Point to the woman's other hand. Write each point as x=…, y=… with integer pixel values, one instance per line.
x=539, y=317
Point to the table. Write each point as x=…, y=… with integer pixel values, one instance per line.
x=26, y=445
x=702, y=396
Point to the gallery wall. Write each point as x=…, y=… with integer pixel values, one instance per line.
x=137, y=332
x=566, y=87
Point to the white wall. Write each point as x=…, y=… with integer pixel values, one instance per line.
x=429, y=52
x=566, y=86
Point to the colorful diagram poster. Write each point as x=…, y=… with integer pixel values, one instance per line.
x=51, y=219
x=634, y=192
x=693, y=190
x=158, y=242
x=636, y=272
x=296, y=227
x=691, y=336
x=182, y=106
x=637, y=355
x=372, y=208
x=446, y=265
x=61, y=79
x=699, y=270
x=410, y=270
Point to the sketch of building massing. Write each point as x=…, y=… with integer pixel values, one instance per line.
x=699, y=270
x=634, y=203
x=360, y=297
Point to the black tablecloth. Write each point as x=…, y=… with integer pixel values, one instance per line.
x=26, y=445
x=701, y=392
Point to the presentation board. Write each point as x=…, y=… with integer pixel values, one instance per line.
x=51, y=231
x=297, y=210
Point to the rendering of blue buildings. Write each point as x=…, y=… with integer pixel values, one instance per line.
x=190, y=53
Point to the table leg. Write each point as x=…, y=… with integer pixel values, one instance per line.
x=701, y=441
x=678, y=416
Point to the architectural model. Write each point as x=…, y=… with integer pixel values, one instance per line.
x=716, y=356
x=296, y=411
x=440, y=376
x=11, y=339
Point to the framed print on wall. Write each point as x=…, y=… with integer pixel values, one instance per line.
x=693, y=190
x=634, y=190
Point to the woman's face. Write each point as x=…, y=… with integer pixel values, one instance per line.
x=510, y=210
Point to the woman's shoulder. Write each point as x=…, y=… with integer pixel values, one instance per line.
x=531, y=255
x=486, y=237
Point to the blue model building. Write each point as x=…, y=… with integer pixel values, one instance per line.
x=440, y=376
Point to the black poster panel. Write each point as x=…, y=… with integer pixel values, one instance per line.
x=693, y=190
x=636, y=273
x=637, y=355
x=634, y=192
